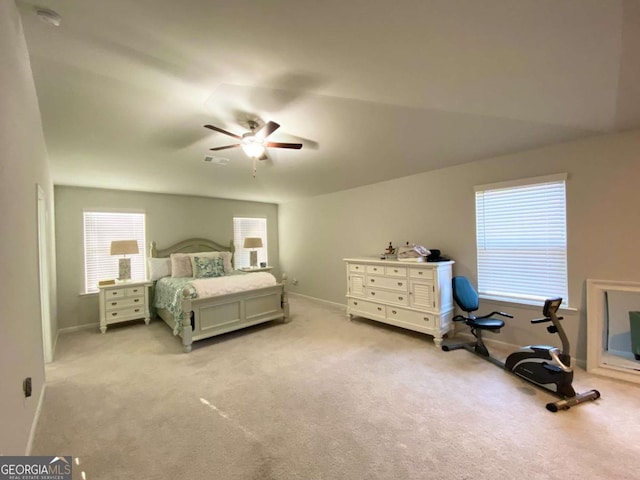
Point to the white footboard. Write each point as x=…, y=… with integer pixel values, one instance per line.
x=225, y=313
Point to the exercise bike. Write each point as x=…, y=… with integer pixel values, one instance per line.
x=542, y=365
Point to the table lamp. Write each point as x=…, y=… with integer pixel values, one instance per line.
x=124, y=247
x=253, y=242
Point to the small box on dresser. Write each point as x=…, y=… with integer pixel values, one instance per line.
x=124, y=301
x=416, y=296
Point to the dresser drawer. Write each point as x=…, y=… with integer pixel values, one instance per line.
x=399, y=298
x=355, y=267
x=421, y=273
x=133, y=312
x=396, y=271
x=368, y=308
x=387, y=282
x=113, y=304
x=414, y=318
x=375, y=269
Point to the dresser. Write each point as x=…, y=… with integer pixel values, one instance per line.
x=124, y=301
x=411, y=295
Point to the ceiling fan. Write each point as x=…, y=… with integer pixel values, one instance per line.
x=254, y=142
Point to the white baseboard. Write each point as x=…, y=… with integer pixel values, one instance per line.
x=78, y=327
x=36, y=418
x=316, y=299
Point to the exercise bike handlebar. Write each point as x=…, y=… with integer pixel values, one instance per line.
x=496, y=313
x=543, y=320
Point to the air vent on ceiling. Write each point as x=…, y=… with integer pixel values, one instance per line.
x=217, y=160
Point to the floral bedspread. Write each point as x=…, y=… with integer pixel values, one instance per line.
x=168, y=295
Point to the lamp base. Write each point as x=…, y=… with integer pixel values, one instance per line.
x=124, y=269
x=253, y=258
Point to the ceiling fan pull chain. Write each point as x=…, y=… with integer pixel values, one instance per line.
x=254, y=167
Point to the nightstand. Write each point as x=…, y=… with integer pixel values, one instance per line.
x=124, y=301
x=255, y=269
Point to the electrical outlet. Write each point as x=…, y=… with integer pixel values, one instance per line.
x=26, y=387
x=295, y=281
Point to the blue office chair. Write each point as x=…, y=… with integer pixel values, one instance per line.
x=467, y=299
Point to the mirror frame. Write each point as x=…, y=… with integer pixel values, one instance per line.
x=595, y=327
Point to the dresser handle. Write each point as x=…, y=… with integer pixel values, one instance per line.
x=394, y=312
x=373, y=293
x=400, y=298
x=135, y=290
x=136, y=300
x=372, y=280
x=355, y=303
x=395, y=271
x=137, y=310
x=114, y=293
x=400, y=284
x=114, y=303
x=379, y=309
x=426, y=319
x=420, y=273
x=114, y=314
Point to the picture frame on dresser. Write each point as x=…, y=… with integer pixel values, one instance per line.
x=417, y=296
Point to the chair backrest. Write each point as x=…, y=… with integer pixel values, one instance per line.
x=465, y=295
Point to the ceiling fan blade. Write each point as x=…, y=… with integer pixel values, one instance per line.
x=211, y=127
x=267, y=130
x=225, y=147
x=296, y=146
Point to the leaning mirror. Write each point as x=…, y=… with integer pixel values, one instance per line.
x=613, y=329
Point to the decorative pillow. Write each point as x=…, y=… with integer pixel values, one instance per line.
x=226, y=259
x=208, y=267
x=181, y=265
x=159, y=267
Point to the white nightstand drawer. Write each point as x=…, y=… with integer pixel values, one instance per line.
x=115, y=293
x=115, y=304
x=388, y=297
x=138, y=312
x=421, y=273
x=135, y=291
x=386, y=282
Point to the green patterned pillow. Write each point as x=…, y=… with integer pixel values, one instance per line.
x=208, y=267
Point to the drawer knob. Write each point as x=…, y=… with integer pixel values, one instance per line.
x=137, y=310
x=114, y=293
x=372, y=280
x=355, y=303
x=400, y=298
x=135, y=290
x=395, y=271
x=373, y=293
x=114, y=314
x=379, y=309
x=394, y=312
x=136, y=300
x=400, y=284
x=426, y=319
x=114, y=303
x=419, y=273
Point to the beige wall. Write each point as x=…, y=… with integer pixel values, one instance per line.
x=169, y=219
x=437, y=209
x=23, y=164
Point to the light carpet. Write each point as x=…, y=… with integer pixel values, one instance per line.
x=321, y=397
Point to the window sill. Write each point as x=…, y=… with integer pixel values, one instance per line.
x=87, y=294
x=533, y=305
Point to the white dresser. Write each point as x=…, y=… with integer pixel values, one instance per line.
x=416, y=296
x=124, y=301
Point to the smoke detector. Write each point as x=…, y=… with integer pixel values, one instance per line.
x=216, y=160
x=49, y=16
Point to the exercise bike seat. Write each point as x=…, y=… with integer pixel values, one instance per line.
x=467, y=299
x=485, y=323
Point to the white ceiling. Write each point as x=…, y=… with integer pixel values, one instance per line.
x=374, y=89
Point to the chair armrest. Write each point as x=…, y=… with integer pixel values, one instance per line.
x=459, y=318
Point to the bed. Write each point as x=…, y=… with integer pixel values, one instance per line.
x=199, y=308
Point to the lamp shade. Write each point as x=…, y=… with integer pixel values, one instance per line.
x=124, y=247
x=252, y=242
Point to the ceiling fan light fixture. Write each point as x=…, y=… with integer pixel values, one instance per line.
x=252, y=146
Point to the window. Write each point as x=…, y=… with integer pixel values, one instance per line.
x=249, y=227
x=522, y=241
x=100, y=228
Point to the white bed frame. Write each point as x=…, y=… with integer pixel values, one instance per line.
x=222, y=313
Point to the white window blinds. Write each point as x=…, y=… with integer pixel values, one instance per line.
x=249, y=227
x=522, y=241
x=100, y=229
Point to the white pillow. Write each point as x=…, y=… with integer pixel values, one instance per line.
x=226, y=259
x=181, y=265
x=159, y=267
